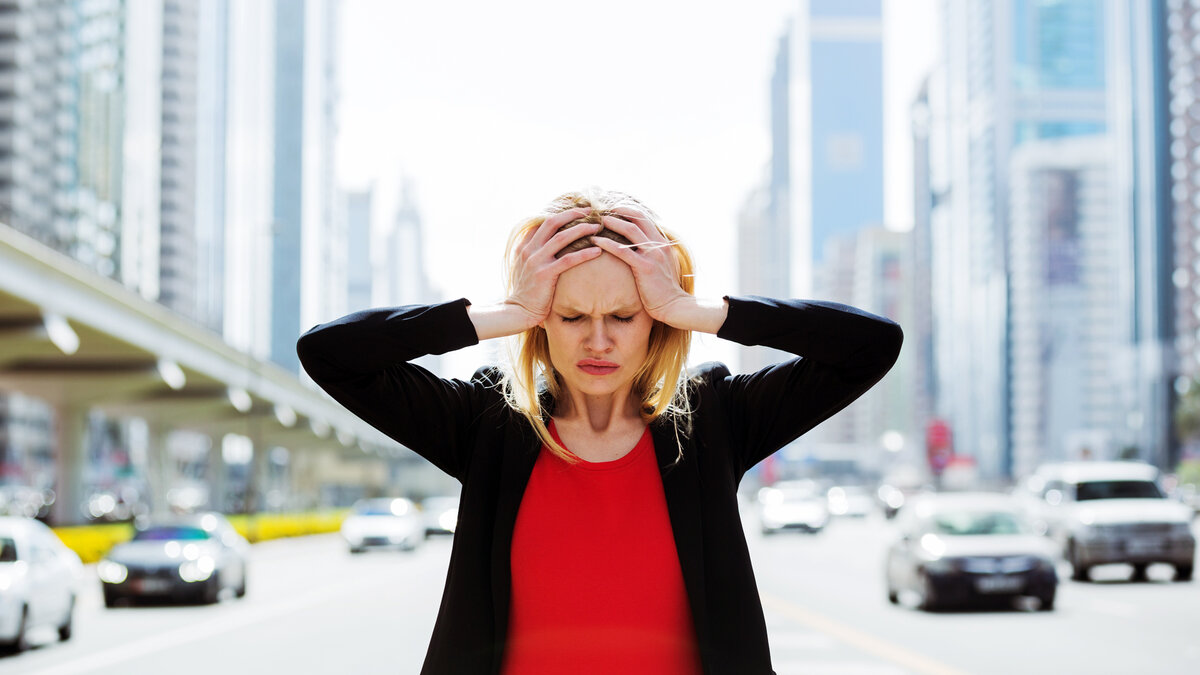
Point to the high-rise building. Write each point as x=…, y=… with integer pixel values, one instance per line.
x=179, y=263
x=835, y=128
x=309, y=243
x=246, y=219
x=1182, y=26
x=1013, y=72
x=1065, y=321
x=359, y=270
x=212, y=117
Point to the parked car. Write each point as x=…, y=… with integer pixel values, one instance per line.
x=962, y=548
x=39, y=581
x=440, y=515
x=190, y=557
x=850, y=500
x=792, y=505
x=383, y=523
x=1111, y=512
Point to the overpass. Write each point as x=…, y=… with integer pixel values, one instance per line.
x=81, y=341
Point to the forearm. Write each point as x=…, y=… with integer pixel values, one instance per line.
x=499, y=320
x=705, y=315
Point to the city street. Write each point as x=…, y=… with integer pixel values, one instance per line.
x=314, y=608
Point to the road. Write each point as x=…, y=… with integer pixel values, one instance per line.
x=313, y=608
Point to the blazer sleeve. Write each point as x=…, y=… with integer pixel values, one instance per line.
x=843, y=352
x=362, y=361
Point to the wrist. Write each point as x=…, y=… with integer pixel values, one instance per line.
x=500, y=319
x=706, y=315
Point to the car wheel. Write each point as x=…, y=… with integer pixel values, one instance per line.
x=241, y=589
x=1046, y=603
x=892, y=596
x=1183, y=572
x=356, y=550
x=210, y=594
x=929, y=601
x=1139, y=572
x=1079, y=571
x=21, y=642
x=64, y=631
x=111, y=599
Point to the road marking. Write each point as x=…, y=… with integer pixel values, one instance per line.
x=869, y=643
x=223, y=623
x=836, y=668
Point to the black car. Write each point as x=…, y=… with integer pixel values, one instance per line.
x=179, y=558
x=967, y=548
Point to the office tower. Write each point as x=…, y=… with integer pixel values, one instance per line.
x=358, y=241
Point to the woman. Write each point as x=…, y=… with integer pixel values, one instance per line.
x=598, y=529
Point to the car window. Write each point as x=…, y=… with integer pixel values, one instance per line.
x=970, y=523
x=8, y=550
x=1117, y=489
x=171, y=533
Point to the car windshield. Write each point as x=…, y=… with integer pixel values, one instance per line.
x=380, y=508
x=970, y=523
x=171, y=533
x=8, y=550
x=1117, y=489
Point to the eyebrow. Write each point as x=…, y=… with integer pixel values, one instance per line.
x=623, y=309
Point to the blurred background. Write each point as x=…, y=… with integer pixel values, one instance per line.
x=186, y=186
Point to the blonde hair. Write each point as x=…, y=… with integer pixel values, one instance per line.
x=658, y=385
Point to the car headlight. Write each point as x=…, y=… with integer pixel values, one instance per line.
x=197, y=570
x=111, y=572
x=940, y=566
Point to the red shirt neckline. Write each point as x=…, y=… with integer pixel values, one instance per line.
x=629, y=458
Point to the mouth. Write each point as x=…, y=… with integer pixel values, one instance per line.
x=597, y=366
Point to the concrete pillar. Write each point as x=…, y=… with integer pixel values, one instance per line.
x=70, y=464
x=160, y=471
x=218, y=475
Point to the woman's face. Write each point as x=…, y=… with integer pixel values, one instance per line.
x=597, y=331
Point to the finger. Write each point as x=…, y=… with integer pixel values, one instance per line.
x=570, y=235
x=625, y=253
x=629, y=230
x=551, y=224
x=641, y=220
x=572, y=259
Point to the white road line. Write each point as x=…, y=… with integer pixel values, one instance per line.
x=219, y=624
x=883, y=649
x=836, y=668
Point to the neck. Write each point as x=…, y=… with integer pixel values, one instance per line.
x=599, y=413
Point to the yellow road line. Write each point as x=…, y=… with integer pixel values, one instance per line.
x=856, y=638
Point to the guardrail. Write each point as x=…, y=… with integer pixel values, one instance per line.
x=92, y=542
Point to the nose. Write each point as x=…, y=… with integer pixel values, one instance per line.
x=597, y=340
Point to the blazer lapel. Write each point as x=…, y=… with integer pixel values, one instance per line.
x=681, y=485
x=521, y=448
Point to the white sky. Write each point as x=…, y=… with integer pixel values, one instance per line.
x=494, y=108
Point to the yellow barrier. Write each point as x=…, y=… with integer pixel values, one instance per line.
x=92, y=542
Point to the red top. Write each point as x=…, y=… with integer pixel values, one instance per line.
x=596, y=582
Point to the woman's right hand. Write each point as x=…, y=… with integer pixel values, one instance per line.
x=535, y=268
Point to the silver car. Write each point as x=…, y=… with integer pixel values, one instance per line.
x=1111, y=512
x=386, y=522
x=191, y=557
x=792, y=505
x=39, y=581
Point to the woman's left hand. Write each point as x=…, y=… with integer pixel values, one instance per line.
x=654, y=266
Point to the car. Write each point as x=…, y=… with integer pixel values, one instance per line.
x=179, y=558
x=40, y=579
x=440, y=515
x=959, y=549
x=792, y=505
x=387, y=522
x=1111, y=512
x=850, y=500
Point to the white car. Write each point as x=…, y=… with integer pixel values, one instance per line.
x=39, y=581
x=850, y=500
x=383, y=523
x=1111, y=512
x=792, y=505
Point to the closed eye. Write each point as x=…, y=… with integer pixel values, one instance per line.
x=623, y=319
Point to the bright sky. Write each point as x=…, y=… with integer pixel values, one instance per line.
x=492, y=109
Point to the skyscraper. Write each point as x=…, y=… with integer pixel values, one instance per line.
x=309, y=272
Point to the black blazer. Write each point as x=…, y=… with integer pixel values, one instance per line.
x=466, y=429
